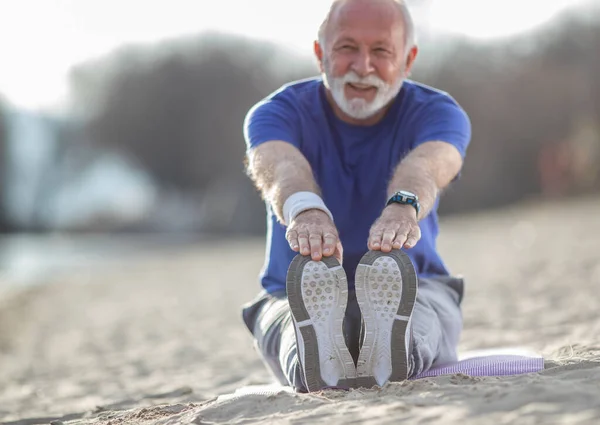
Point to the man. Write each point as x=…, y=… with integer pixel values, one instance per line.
x=351, y=166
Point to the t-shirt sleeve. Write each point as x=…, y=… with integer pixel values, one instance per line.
x=445, y=121
x=272, y=119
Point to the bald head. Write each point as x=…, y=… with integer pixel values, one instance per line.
x=395, y=11
x=365, y=51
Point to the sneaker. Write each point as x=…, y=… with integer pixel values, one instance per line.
x=386, y=291
x=318, y=293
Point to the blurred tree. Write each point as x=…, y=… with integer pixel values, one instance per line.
x=521, y=95
x=4, y=226
x=178, y=109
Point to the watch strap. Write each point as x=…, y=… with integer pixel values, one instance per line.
x=405, y=199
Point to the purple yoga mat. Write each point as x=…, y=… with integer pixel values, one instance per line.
x=489, y=365
x=494, y=362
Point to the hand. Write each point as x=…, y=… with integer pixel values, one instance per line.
x=312, y=232
x=397, y=227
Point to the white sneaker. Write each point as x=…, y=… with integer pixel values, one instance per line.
x=318, y=293
x=386, y=291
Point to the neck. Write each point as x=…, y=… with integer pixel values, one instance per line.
x=372, y=120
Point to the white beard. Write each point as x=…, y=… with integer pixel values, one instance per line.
x=358, y=108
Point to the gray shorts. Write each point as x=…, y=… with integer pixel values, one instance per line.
x=436, y=321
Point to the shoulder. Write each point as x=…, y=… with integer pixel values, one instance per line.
x=288, y=103
x=436, y=116
x=419, y=95
x=426, y=106
x=296, y=92
x=280, y=115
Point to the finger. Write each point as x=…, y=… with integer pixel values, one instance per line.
x=401, y=237
x=292, y=238
x=339, y=252
x=303, y=243
x=375, y=239
x=329, y=242
x=400, y=240
x=387, y=239
x=413, y=237
x=315, y=240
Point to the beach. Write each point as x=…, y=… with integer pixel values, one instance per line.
x=158, y=338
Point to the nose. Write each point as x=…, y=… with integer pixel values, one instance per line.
x=362, y=64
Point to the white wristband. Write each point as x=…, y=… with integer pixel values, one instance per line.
x=302, y=201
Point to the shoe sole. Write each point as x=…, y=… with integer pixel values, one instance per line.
x=386, y=291
x=318, y=293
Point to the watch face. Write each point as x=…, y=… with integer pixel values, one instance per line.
x=409, y=194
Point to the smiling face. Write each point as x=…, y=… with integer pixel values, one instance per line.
x=363, y=58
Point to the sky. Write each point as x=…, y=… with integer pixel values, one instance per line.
x=40, y=40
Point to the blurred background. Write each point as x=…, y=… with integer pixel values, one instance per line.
x=121, y=121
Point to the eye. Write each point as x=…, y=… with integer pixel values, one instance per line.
x=347, y=47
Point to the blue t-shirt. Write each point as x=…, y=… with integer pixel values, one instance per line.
x=353, y=164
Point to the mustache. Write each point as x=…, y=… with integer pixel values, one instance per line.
x=370, y=80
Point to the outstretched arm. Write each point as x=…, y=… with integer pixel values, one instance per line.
x=425, y=171
x=279, y=170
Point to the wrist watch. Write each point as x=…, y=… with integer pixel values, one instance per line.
x=405, y=198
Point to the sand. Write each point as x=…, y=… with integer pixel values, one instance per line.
x=158, y=338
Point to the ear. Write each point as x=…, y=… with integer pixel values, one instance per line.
x=410, y=60
x=319, y=55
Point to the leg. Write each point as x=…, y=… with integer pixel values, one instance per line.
x=269, y=319
x=386, y=289
x=301, y=338
x=409, y=324
x=436, y=322
x=318, y=295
